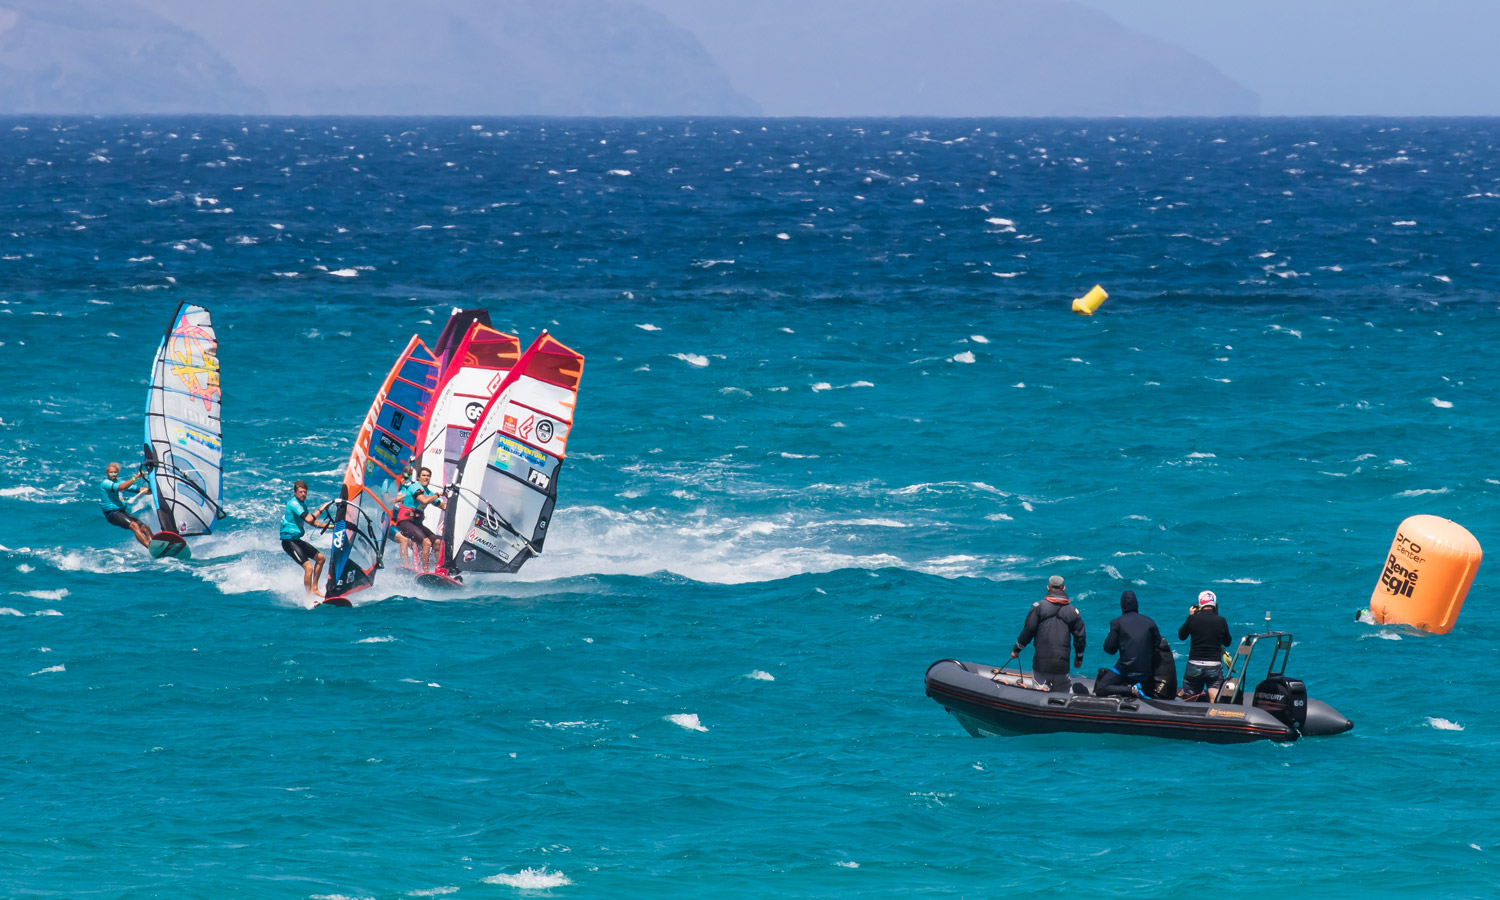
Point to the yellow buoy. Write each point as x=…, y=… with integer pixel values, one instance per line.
x=1427, y=574
x=1091, y=301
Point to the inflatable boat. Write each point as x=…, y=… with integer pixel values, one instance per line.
x=995, y=701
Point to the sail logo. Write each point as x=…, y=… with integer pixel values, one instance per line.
x=544, y=431
x=509, y=425
x=1399, y=580
x=495, y=382
x=539, y=478
x=504, y=445
x=526, y=426
x=473, y=411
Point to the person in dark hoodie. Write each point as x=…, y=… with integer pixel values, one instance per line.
x=1134, y=637
x=1210, y=634
x=1052, y=621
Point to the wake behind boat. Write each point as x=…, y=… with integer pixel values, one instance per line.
x=994, y=701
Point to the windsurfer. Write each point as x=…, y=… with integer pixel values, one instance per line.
x=114, y=509
x=410, y=501
x=305, y=554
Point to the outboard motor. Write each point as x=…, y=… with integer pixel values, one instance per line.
x=1285, y=698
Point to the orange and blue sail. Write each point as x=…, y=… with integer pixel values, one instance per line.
x=383, y=450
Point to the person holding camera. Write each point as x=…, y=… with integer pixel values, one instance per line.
x=1210, y=635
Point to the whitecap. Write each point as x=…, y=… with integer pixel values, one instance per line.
x=24, y=490
x=7, y=611
x=375, y=640
x=758, y=675
x=1196, y=455
x=46, y=612
x=1418, y=492
x=1443, y=724
x=1405, y=223
x=344, y=273
x=979, y=339
x=1442, y=404
x=620, y=173
x=964, y=357
x=783, y=236
x=647, y=326
x=692, y=359
x=47, y=595
x=433, y=892
x=50, y=669
x=847, y=863
x=686, y=720
x=822, y=386
x=531, y=879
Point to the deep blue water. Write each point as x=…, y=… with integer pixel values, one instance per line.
x=836, y=422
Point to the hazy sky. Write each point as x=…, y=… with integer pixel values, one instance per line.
x=1338, y=57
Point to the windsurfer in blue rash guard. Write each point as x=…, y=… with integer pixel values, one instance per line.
x=114, y=508
x=305, y=554
x=414, y=496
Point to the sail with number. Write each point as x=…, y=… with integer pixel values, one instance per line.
x=477, y=365
x=184, y=437
x=385, y=446
x=506, y=484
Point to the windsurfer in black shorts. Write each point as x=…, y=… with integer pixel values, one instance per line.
x=114, y=508
x=410, y=505
x=305, y=554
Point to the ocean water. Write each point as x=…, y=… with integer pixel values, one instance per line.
x=836, y=422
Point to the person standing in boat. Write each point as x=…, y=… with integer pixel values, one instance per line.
x=1052, y=622
x=1134, y=637
x=1210, y=635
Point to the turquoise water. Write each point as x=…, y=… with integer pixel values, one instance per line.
x=826, y=435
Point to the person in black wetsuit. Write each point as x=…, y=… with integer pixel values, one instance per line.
x=1134, y=637
x=1052, y=622
x=1210, y=634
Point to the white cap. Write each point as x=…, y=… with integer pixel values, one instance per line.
x=1207, y=598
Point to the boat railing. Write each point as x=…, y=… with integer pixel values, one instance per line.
x=1239, y=666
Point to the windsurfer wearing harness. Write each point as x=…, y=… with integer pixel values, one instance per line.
x=410, y=501
x=1051, y=622
x=305, y=554
x=114, y=508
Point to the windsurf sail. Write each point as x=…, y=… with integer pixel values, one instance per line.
x=478, y=364
x=184, y=437
x=385, y=446
x=506, y=483
x=454, y=331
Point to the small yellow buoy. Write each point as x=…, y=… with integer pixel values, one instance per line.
x=1427, y=574
x=1091, y=301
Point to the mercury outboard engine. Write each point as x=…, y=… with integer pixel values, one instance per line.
x=1285, y=698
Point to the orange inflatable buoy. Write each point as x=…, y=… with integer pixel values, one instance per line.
x=1427, y=574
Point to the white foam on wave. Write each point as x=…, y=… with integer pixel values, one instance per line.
x=692, y=359
x=45, y=595
x=965, y=357
x=383, y=639
x=50, y=669
x=7, y=611
x=618, y=173
x=847, y=863
x=1418, y=492
x=979, y=339
x=647, y=326
x=24, y=490
x=1442, y=404
x=46, y=612
x=344, y=273
x=1201, y=456
x=433, y=892
x=759, y=675
x=686, y=720
x=1444, y=724
x=531, y=879
x=1237, y=581
x=783, y=236
x=861, y=523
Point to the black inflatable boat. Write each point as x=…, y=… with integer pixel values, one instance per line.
x=988, y=700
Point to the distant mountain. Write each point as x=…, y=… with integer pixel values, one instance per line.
x=517, y=57
x=89, y=56
x=951, y=58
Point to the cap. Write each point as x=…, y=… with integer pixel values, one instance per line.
x=1055, y=581
x=1207, y=598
